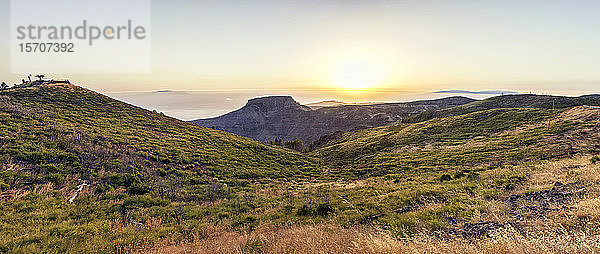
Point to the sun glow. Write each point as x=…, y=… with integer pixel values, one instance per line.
x=358, y=74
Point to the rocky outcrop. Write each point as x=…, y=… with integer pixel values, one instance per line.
x=267, y=118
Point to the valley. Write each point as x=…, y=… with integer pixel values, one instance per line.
x=454, y=175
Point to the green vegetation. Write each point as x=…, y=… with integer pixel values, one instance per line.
x=507, y=101
x=295, y=144
x=138, y=177
x=139, y=166
x=446, y=143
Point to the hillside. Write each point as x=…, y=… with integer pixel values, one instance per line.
x=125, y=161
x=507, y=180
x=493, y=137
x=83, y=173
x=508, y=101
x=267, y=118
x=71, y=120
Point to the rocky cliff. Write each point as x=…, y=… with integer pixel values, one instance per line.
x=267, y=118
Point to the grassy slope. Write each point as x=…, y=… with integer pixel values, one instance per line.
x=138, y=165
x=504, y=180
x=492, y=137
x=445, y=172
x=53, y=118
x=508, y=101
x=152, y=179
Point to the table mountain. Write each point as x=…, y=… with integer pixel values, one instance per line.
x=271, y=117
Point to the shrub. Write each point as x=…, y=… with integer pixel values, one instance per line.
x=510, y=182
x=116, y=179
x=138, y=188
x=459, y=174
x=103, y=187
x=445, y=177
x=324, y=209
x=287, y=209
x=473, y=176
x=595, y=159
x=50, y=168
x=294, y=144
x=304, y=210
x=56, y=178
x=162, y=172
x=195, y=181
x=143, y=201
x=248, y=221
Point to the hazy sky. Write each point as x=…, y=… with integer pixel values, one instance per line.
x=418, y=45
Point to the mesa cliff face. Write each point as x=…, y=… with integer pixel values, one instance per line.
x=264, y=118
x=267, y=118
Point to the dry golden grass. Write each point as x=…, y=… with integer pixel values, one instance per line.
x=335, y=239
x=566, y=170
x=589, y=208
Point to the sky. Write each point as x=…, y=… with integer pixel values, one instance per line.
x=283, y=47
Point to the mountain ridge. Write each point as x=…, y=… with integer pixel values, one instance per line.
x=492, y=92
x=268, y=118
x=510, y=101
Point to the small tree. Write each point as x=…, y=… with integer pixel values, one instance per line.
x=4, y=86
x=294, y=144
x=214, y=191
x=40, y=77
x=277, y=142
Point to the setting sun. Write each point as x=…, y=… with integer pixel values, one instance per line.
x=358, y=75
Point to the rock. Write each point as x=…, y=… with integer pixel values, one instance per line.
x=474, y=230
x=539, y=203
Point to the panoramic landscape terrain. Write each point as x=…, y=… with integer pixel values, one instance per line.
x=300, y=127
x=82, y=172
